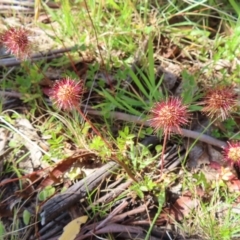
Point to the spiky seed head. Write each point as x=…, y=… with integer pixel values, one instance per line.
x=66, y=93
x=16, y=40
x=169, y=115
x=220, y=102
x=232, y=153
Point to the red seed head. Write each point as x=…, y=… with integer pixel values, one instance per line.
x=220, y=102
x=232, y=153
x=169, y=115
x=16, y=40
x=66, y=93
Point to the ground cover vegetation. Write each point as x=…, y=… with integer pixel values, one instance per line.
x=119, y=119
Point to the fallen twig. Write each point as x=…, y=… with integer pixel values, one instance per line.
x=61, y=202
x=138, y=120
x=113, y=194
x=9, y=62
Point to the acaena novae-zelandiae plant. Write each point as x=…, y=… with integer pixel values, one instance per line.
x=66, y=95
x=16, y=41
x=219, y=102
x=169, y=116
x=232, y=153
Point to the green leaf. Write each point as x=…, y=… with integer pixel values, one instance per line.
x=158, y=148
x=112, y=99
x=130, y=109
x=122, y=134
x=195, y=108
x=151, y=62
x=26, y=217
x=13, y=143
x=161, y=199
x=46, y=193
x=235, y=6
x=2, y=230
x=189, y=87
x=133, y=102
x=149, y=131
x=144, y=188
x=23, y=82
x=137, y=81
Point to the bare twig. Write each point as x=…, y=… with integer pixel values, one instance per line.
x=119, y=208
x=137, y=210
x=185, y=132
x=9, y=62
x=112, y=194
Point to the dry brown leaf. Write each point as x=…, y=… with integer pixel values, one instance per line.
x=234, y=185
x=71, y=230
x=57, y=173
x=183, y=206
x=180, y=209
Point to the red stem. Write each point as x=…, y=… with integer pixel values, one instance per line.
x=91, y=125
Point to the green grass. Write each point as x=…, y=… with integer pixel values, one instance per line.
x=214, y=218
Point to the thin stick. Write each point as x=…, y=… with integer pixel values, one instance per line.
x=184, y=132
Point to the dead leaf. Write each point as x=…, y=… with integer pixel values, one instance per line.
x=172, y=52
x=215, y=165
x=71, y=230
x=227, y=174
x=180, y=209
x=234, y=185
x=57, y=173
x=32, y=145
x=183, y=206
